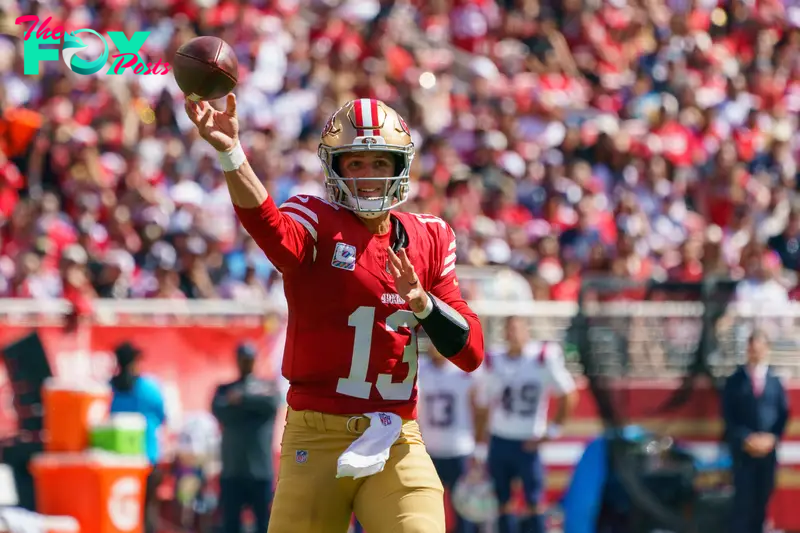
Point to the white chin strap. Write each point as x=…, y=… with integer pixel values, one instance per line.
x=367, y=208
x=372, y=206
x=367, y=214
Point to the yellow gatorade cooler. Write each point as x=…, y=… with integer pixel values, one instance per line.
x=103, y=491
x=70, y=410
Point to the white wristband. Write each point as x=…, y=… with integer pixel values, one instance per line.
x=481, y=452
x=427, y=311
x=232, y=160
x=554, y=431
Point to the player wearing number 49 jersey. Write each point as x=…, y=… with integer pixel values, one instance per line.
x=517, y=387
x=360, y=279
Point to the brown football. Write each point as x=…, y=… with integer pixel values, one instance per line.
x=205, y=68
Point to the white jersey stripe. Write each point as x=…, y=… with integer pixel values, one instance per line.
x=306, y=211
x=448, y=269
x=452, y=246
x=432, y=220
x=306, y=224
x=450, y=259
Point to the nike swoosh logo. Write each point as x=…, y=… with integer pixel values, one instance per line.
x=303, y=199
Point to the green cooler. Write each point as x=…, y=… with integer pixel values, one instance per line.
x=122, y=433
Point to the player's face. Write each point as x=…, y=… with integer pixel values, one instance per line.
x=365, y=165
x=516, y=334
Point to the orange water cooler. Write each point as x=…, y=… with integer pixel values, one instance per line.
x=70, y=410
x=103, y=492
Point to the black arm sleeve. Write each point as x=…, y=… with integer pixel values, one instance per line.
x=447, y=329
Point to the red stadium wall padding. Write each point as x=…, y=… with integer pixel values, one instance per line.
x=189, y=361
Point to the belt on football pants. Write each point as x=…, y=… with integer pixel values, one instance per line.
x=324, y=422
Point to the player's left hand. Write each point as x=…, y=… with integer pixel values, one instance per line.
x=406, y=281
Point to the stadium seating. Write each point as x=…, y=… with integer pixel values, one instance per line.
x=641, y=138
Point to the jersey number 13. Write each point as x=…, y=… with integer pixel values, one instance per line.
x=356, y=384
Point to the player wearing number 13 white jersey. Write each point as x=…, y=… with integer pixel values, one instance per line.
x=449, y=411
x=448, y=398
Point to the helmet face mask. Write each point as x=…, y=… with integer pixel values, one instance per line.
x=366, y=125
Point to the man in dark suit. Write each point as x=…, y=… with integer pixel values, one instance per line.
x=246, y=411
x=755, y=409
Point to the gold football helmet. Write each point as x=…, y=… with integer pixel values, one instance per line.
x=366, y=125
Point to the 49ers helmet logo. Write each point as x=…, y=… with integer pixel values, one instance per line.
x=367, y=116
x=330, y=126
x=403, y=125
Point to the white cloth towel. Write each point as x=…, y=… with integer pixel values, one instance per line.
x=17, y=520
x=368, y=454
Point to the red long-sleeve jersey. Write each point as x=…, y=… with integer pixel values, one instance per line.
x=351, y=343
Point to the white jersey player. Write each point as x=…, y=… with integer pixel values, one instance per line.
x=518, y=383
x=447, y=410
x=447, y=407
x=518, y=388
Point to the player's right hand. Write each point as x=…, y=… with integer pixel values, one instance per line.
x=532, y=445
x=476, y=465
x=219, y=128
x=753, y=445
x=759, y=444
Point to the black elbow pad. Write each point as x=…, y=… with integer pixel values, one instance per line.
x=446, y=327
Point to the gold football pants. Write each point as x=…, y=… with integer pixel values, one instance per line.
x=406, y=497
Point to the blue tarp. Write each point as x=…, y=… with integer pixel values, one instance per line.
x=584, y=497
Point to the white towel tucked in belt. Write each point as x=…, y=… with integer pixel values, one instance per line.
x=17, y=520
x=369, y=452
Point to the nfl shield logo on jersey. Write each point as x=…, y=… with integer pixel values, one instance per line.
x=344, y=256
x=385, y=419
x=301, y=456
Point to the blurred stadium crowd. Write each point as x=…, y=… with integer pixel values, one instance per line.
x=634, y=137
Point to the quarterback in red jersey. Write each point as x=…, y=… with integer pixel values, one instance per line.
x=360, y=280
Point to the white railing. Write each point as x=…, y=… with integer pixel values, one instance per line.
x=13, y=306
x=647, y=335
x=484, y=308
